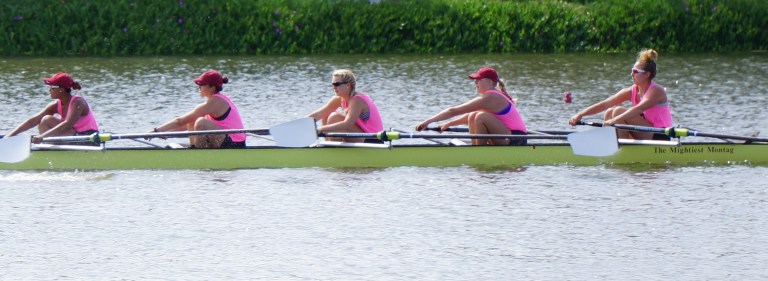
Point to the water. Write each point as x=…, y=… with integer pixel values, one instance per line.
x=555, y=222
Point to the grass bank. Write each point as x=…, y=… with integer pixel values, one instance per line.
x=167, y=27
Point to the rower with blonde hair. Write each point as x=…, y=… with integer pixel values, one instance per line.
x=358, y=112
x=650, y=106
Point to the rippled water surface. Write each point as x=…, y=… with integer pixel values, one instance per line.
x=555, y=222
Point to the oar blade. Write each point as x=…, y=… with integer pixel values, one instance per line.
x=14, y=149
x=296, y=133
x=597, y=142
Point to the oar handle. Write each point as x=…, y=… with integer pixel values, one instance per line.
x=449, y=129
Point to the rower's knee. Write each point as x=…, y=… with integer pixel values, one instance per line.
x=204, y=124
x=335, y=118
x=613, y=112
x=48, y=122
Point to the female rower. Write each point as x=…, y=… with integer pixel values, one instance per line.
x=359, y=113
x=650, y=106
x=76, y=117
x=216, y=113
x=493, y=112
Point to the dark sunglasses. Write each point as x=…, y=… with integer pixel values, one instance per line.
x=336, y=84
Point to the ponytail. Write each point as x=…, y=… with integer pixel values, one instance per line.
x=504, y=89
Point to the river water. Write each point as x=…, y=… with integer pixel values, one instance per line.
x=548, y=222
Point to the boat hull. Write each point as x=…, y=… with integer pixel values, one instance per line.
x=407, y=155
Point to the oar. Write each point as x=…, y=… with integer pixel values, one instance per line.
x=465, y=130
x=14, y=149
x=597, y=142
x=105, y=137
x=676, y=132
x=394, y=135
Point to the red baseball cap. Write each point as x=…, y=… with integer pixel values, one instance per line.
x=60, y=79
x=485, y=72
x=210, y=77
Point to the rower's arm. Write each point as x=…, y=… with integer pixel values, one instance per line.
x=33, y=121
x=603, y=105
x=329, y=107
x=79, y=109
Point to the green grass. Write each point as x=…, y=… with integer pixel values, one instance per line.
x=153, y=27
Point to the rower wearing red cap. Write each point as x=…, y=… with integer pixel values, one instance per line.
x=76, y=117
x=216, y=113
x=493, y=112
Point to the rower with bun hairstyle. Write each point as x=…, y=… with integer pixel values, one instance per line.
x=218, y=112
x=75, y=117
x=650, y=106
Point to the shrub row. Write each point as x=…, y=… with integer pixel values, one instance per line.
x=166, y=27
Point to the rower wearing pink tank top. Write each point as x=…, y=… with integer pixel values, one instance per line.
x=75, y=115
x=493, y=112
x=218, y=112
x=650, y=106
x=358, y=112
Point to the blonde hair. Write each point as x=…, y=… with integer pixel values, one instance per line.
x=503, y=89
x=647, y=58
x=346, y=75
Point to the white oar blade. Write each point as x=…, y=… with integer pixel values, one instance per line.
x=14, y=149
x=596, y=142
x=296, y=133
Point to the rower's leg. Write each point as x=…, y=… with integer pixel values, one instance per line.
x=50, y=121
x=334, y=118
x=636, y=121
x=486, y=123
x=206, y=141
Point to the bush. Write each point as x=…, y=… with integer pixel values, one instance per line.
x=150, y=27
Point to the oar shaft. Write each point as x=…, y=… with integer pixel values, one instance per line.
x=103, y=137
x=388, y=135
x=676, y=132
x=466, y=130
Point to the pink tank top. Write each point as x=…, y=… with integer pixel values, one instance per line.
x=85, y=123
x=231, y=121
x=658, y=115
x=368, y=122
x=509, y=115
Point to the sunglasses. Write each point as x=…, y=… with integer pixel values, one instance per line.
x=336, y=84
x=636, y=70
x=55, y=87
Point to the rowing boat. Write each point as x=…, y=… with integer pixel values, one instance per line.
x=365, y=155
x=593, y=147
